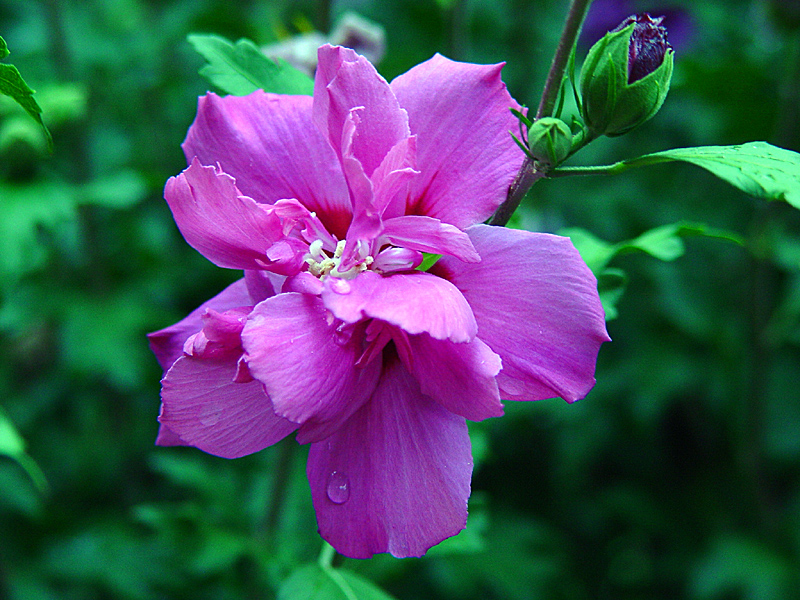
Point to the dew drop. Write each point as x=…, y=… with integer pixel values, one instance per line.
x=342, y=334
x=338, y=487
x=340, y=286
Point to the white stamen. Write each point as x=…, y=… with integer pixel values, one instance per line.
x=339, y=249
x=315, y=250
x=320, y=265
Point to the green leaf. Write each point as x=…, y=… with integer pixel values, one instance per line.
x=11, y=442
x=313, y=582
x=749, y=566
x=611, y=284
x=21, y=250
x=664, y=243
x=595, y=252
x=757, y=168
x=13, y=446
x=428, y=261
x=242, y=68
x=121, y=189
x=471, y=539
x=362, y=589
x=12, y=84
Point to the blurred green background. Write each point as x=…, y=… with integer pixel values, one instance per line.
x=677, y=477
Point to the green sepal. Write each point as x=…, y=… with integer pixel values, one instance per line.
x=522, y=146
x=526, y=123
x=525, y=120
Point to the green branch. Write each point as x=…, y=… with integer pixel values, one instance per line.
x=615, y=169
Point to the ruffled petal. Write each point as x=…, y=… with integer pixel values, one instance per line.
x=415, y=302
x=206, y=409
x=306, y=362
x=396, y=477
x=229, y=229
x=167, y=344
x=460, y=115
x=269, y=143
x=345, y=81
x=537, y=306
x=220, y=336
x=460, y=377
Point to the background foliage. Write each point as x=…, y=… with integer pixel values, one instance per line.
x=677, y=477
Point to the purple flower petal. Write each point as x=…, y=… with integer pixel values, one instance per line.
x=396, y=477
x=304, y=283
x=269, y=143
x=167, y=344
x=262, y=285
x=345, y=81
x=220, y=336
x=460, y=115
x=306, y=362
x=206, y=409
x=227, y=228
x=460, y=377
x=331, y=202
x=536, y=305
x=366, y=221
x=397, y=259
x=427, y=234
x=415, y=302
x=391, y=180
x=167, y=437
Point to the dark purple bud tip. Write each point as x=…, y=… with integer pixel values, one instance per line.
x=647, y=47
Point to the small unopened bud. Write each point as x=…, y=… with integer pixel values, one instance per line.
x=549, y=140
x=626, y=76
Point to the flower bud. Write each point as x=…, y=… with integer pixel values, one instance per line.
x=626, y=76
x=549, y=140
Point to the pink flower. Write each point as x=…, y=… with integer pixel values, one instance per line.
x=328, y=205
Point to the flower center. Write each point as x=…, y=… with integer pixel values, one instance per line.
x=322, y=265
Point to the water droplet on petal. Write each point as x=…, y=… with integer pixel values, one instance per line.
x=342, y=334
x=340, y=286
x=338, y=487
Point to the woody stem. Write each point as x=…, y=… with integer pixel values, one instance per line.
x=531, y=171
